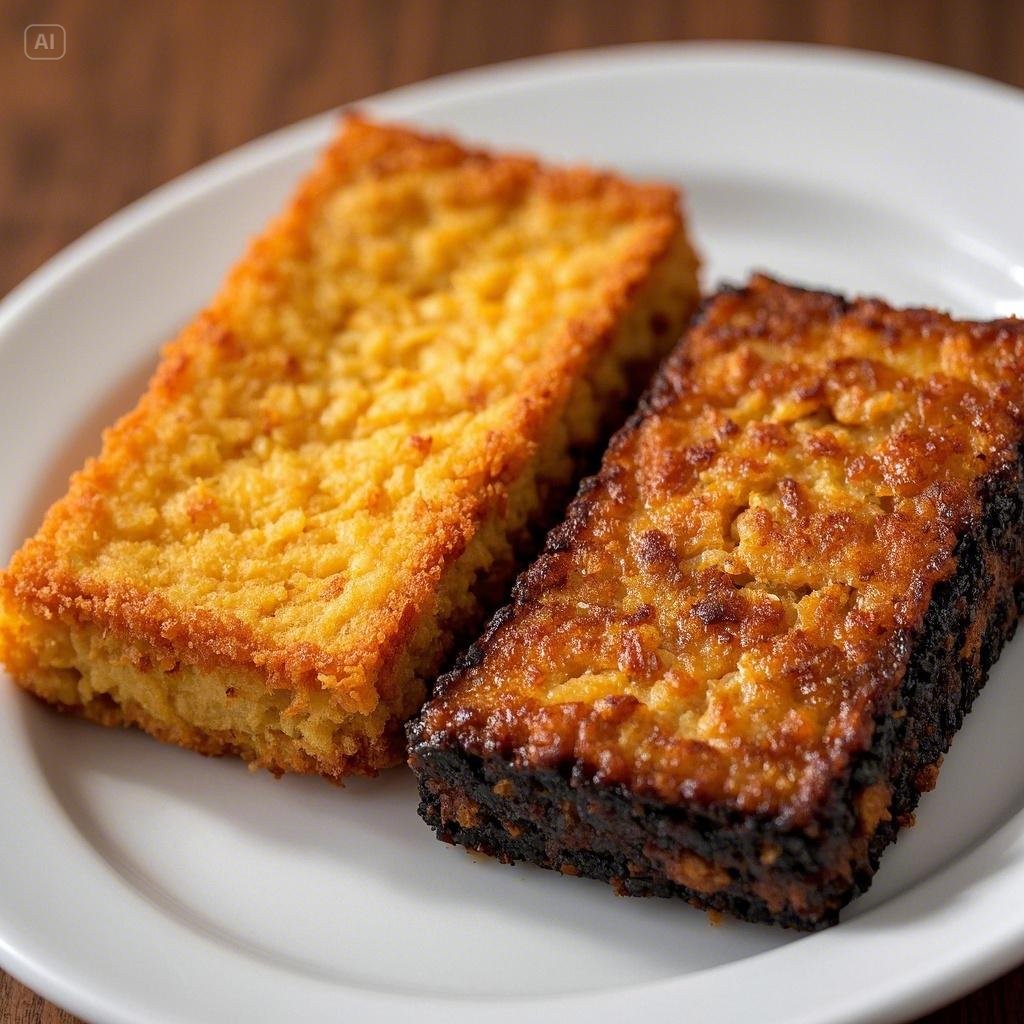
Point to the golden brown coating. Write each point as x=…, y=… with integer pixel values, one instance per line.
x=339, y=460
x=735, y=596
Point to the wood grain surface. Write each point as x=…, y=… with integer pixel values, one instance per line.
x=150, y=89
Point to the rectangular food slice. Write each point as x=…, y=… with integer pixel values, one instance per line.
x=338, y=465
x=738, y=662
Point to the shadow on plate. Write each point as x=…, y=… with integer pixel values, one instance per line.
x=131, y=799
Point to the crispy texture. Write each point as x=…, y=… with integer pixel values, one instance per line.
x=737, y=663
x=340, y=462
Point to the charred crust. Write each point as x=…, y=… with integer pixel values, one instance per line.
x=795, y=877
x=798, y=863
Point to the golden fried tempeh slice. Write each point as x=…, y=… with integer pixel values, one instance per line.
x=341, y=461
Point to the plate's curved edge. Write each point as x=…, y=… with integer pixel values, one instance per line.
x=595, y=60
x=160, y=202
x=73, y=998
x=304, y=134
x=985, y=960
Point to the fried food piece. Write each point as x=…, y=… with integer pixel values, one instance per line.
x=739, y=661
x=341, y=462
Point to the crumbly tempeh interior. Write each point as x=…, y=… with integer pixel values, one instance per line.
x=340, y=460
x=762, y=622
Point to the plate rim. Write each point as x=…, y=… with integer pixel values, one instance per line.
x=996, y=951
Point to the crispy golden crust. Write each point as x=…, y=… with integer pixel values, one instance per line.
x=329, y=460
x=734, y=598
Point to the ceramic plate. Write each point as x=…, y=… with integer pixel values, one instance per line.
x=144, y=883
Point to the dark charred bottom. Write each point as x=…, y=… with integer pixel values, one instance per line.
x=747, y=865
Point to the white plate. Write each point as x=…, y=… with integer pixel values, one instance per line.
x=143, y=883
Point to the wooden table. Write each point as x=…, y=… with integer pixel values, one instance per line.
x=147, y=90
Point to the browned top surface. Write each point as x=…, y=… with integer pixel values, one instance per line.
x=725, y=605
